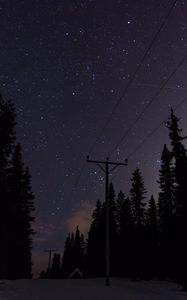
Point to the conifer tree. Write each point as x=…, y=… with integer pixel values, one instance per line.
x=166, y=194
x=16, y=201
x=55, y=271
x=165, y=212
x=180, y=164
x=180, y=206
x=113, y=234
x=137, y=197
x=95, y=250
x=125, y=232
x=67, y=260
x=7, y=139
x=151, y=264
x=78, y=255
x=21, y=208
x=73, y=257
x=7, y=133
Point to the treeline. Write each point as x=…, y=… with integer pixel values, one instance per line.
x=73, y=258
x=16, y=201
x=147, y=236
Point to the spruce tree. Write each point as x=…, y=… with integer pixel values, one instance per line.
x=78, y=250
x=113, y=234
x=73, y=257
x=21, y=208
x=125, y=234
x=95, y=250
x=16, y=201
x=165, y=212
x=7, y=133
x=7, y=140
x=180, y=165
x=67, y=260
x=166, y=194
x=55, y=271
x=180, y=206
x=151, y=240
x=137, y=197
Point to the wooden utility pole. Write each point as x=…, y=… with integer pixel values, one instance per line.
x=104, y=166
x=50, y=251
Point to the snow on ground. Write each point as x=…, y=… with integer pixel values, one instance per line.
x=89, y=289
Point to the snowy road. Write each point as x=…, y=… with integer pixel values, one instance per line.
x=87, y=289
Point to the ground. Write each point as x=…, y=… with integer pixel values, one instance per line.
x=89, y=289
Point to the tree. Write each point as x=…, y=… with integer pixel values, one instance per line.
x=20, y=223
x=165, y=211
x=7, y=139
x=95, y=250
x=166, y=194
x=137, y=197
x=67, y=260
x=16, y=201
x=179, y=156
x=113, y=234
x=151, y=263
x=55, y=271
x=125, y=233
x=78, y=250
x=73, y=257
x=7, y=133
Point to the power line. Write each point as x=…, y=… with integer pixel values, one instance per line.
x=78, y=179
x=156, y=129
x=153, y=131
x=133, y=77
x=126, y=88
x=149, y=104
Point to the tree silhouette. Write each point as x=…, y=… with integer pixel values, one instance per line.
x=125, y=233
x=113, y=234
x=16, y=202
x=7, y=139
x=67, y=260
x=180, y=205
x=151, y=240
x=78, y=249
x=73, y=257
x=137, y=197
x=55, y=271
x=165, y=209
x=95, y=250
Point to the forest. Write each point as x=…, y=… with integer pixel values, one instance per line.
x=16, y=201
x=147, y=236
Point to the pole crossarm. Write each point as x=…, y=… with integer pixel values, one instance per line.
x=98, y=162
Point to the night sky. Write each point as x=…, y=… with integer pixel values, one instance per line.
x=66, y=64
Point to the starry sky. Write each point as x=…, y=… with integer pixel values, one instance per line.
x=65, y=64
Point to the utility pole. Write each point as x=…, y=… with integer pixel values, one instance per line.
x=50, y=251
x=104, y=166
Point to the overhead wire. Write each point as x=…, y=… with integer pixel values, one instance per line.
x=133, y=77
x=156, y=128
x=149, y=104
x=152, y=132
